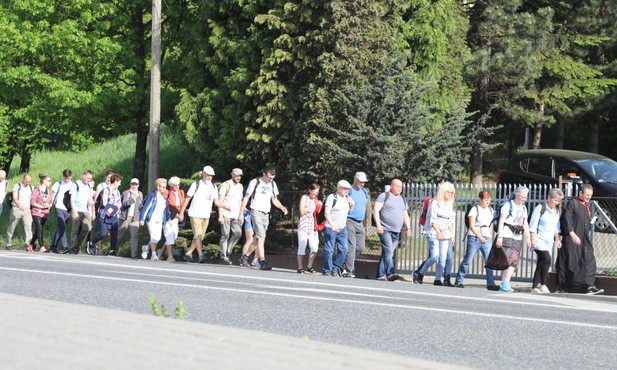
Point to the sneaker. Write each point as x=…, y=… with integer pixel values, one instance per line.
x=457, y=285
x=263, y=265
x=244, y=261
x=506, y=288
x=43, y=249
x=592, y=290
x=337, y=272
x=225, y=261
x=301, y=271
x=30, y=248
x=347, y=274
x=256, y=264
x=112, y=253
x=536, y=290
x=310, y=270
x=144, y=252
x=8, y=247
x=393, y=277
x=382, y=278
x=417, y=277
x=90, y=248
x=202, y=258
x=494, y=288
x=448, y=283
x=154, y=257
x=544, y=289
x=188, y=257
x=438, y=283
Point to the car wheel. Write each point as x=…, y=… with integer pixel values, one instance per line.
x=603, y=224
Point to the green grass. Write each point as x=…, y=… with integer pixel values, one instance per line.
x=116, y=153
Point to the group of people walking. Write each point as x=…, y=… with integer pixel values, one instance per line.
x=548, y=226
x=346, y=218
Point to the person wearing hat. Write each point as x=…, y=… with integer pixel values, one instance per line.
x=356, y=223
x=129, y=215
x=390, y=213
x=204, y=192
x=260, y=195
x=229, y=203
x=337, y=207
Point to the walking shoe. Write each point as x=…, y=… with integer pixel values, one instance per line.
x=188, y=257
x=30, y=248
x=8, y=247
x=592, y=290
x=393, y=277
x=65, y=250
x=438, y=283
x=506, y=288
x=457, y=285
x=348, y=274
x=301, y=271
x=310, y=270
x=144, y=252
x=448, y=283
x=536, y=290
x=256, y=264
x=382, y=278
x=244, y=261
x=544, y=289
x=337, y=272
x=263, y=265
x=43, y=249
x=494, y=288
x=90, y=248
x=202, y=258
x=112, y=253
x=417, y=277
x=225, y=261
x=74, y=250
x=154, y=257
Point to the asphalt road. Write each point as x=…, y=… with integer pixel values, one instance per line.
x=466, y=327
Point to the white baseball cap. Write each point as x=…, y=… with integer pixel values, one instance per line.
x=135, y=181
x=343, y=184
x=208, y=170
x=361, y=176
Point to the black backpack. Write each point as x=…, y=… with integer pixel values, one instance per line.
x=321, y=216
x=469, y=207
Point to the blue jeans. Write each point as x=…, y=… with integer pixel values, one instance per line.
x=473, y=246
x=113, y=233
x=449, y=262
x=438, y=252
x=389, y=242
x=339, y=239
x=60, y=235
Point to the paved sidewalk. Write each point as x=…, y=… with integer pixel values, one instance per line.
x=44, y=334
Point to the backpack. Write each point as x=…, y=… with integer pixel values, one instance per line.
x=321, y=216
x=99, y=200
x=252, y=197
x=469, y=207
x=66, y=197
x=319, y=225
x=9, y=195
x=497, y=214
x=425, y=206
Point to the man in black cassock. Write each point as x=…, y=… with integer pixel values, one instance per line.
x=576, y=263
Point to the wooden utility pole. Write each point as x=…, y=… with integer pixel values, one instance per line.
x=155, y=95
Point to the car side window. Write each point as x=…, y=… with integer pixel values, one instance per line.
x=565, y=168
x=540, y=166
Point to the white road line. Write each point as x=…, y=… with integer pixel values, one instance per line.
x=382, y=304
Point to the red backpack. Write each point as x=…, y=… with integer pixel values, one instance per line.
x=425, y=205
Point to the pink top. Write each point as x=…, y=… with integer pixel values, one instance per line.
x=40, y=198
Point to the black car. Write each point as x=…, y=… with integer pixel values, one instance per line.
x=544, y=166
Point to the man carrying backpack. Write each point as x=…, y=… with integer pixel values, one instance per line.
x=229, y=203
x=356, y=223
x=62, y=198
x=22, y=192
x=260, y=194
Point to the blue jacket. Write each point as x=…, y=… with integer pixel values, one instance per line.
x=150, y=205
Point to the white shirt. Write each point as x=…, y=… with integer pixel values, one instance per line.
x=484, y=217
x=24, y=193
x=516, y=217
x=232, y=196
x=262, y=199
x=4, y=184
x=202, y=198
x=339, y=212
x=61, y=187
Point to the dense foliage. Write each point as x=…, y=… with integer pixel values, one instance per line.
x=418, y=89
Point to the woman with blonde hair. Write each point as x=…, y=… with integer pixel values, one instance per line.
x=155, y=213
x=439, y=230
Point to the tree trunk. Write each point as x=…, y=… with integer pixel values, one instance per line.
x=560, y=129
x=6, y=161
x=594, y=136
x=141, y=125
x=537, y=130
x=476, y=167
x=26, y=156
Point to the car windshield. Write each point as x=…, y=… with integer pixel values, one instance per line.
x=603, y=170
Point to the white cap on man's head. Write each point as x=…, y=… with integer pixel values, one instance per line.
x=135, y=181
x=361, y=176
x=343, y=184
x=236, y=172
x=208, y=170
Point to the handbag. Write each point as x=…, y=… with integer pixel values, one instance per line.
x=497, y=259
